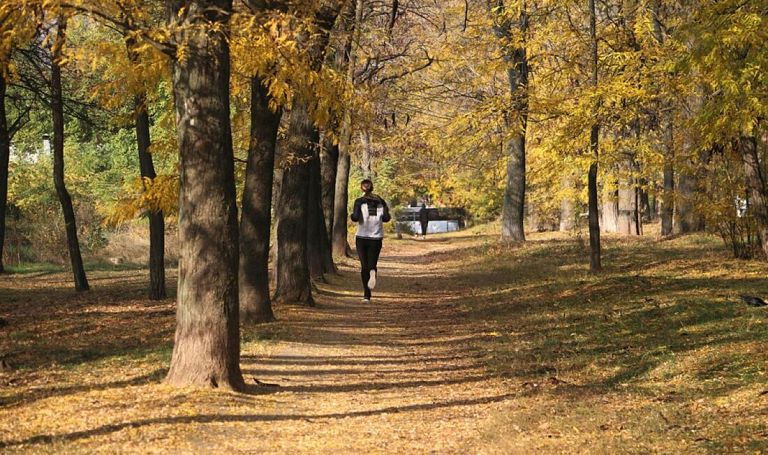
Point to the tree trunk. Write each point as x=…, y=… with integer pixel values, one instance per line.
x=645, y=208
x=668, y=196
x=668, y=192
x=366, y=161
x=627, y=200
x=5, y=155
x=276, y=186
x=757, y=186
x=339, y=60
x=610, y=213
x=147, y=170
x=255, y=221
x=315, y=223
x=206, y=351
x=57, y=108
x=595, y=262
x=329, y=162
x=318, y=240
x=516, y=59
x=686, y=220
x=340, y=244
x=156, y=217
x=292, y=276
x=513, y=212
x=292, y=273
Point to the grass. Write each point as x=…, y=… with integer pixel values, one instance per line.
x=663, y=320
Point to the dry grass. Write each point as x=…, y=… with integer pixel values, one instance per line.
x=471, y=346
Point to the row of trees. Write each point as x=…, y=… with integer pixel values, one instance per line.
x=281, y=52
x=529, y=110
x=616, y=111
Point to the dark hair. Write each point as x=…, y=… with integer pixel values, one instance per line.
x=367, y=185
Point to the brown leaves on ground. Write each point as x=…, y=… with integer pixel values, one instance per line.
x=470, y=346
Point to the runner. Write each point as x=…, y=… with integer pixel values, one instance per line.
x=370, y=212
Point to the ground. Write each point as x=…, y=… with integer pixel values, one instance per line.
x=469, y=346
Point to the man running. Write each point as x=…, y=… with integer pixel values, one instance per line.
x=370, y=213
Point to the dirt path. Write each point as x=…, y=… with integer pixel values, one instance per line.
x=398, y=375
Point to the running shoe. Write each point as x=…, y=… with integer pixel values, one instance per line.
x=372, y=280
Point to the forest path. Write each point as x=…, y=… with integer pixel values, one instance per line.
x=398, y=375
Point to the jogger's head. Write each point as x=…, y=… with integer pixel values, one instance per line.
x=366, y=186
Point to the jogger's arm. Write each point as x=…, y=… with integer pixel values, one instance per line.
x=357, y=211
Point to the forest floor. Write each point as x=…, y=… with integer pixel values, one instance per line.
x=470, y=346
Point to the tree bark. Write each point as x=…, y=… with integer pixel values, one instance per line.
x=757, y=185
x=366, y=161
x=595, y=261
x=341, y=44
x=340, y=245
x=627, y=200
x=5, y=155
x=515, y=56
x=57, y=110
x=318, y=241
x=329, y=162
x=686, y=219
x=206, y=351
x=292, y=274
x=255, y=220
x=668, y=191
x=156, y=218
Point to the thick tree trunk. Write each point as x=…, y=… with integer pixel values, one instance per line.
x=595, y=261
x=255, y=221
x=513, y=210
x=329, y=162
x=57, y=108
x=5, y=155
x=340, y=246
x=318, y=240
x=293, y=211
x=292, y=273
x=757, y=185
x=156, y=218
x=206, y=351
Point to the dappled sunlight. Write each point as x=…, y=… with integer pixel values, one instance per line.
x=522, y=343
